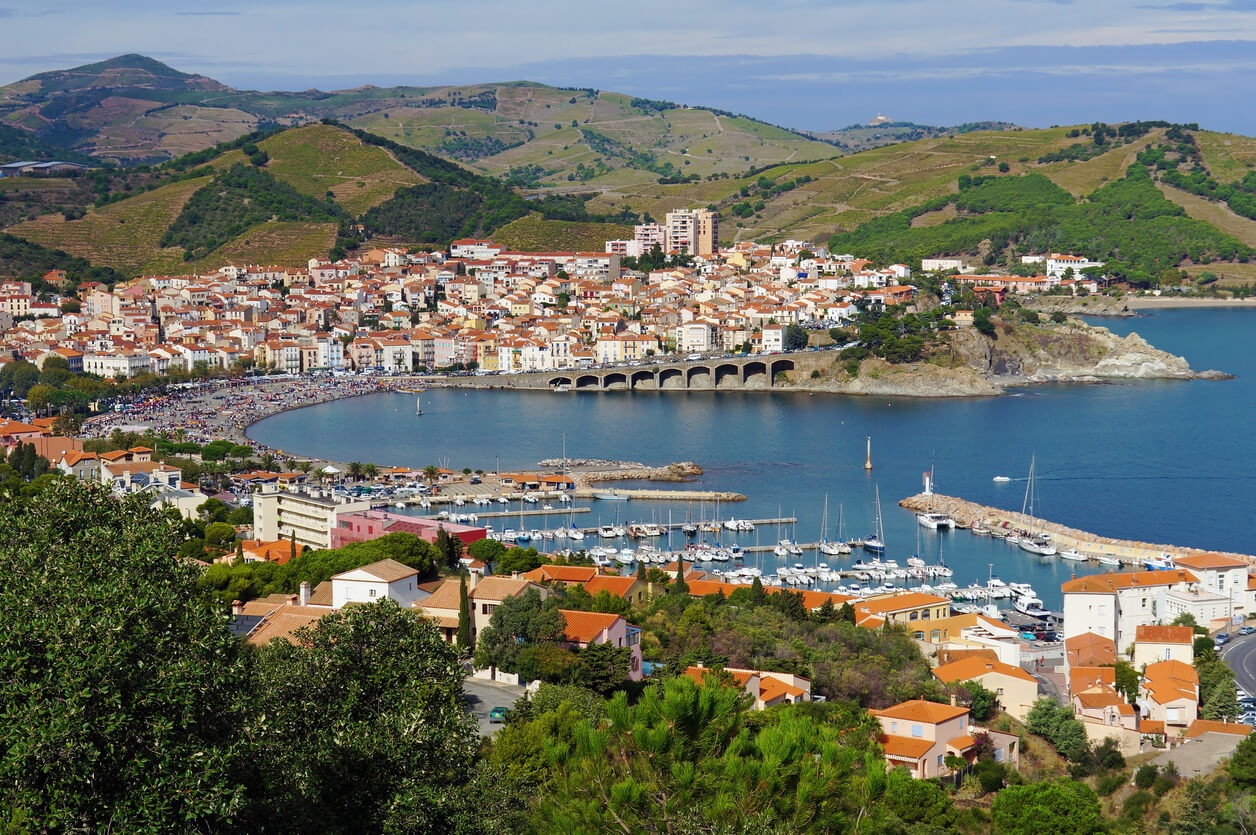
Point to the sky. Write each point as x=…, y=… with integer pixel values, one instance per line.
x=801, y=63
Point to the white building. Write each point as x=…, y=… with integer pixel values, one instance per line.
x=309, y=516
x=935, y=265
x=1115, y=605
x=1057, y=264
x=386, y=579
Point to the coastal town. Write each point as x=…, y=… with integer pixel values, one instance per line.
x=477, y=307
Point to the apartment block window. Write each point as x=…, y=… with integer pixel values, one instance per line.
x=916, y=730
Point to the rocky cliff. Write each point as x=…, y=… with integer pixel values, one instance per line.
x=969, y=364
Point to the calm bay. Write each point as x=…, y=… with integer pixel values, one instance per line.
x=1159, y=461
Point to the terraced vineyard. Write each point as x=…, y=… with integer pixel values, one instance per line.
x=123, y=235
x=283, y=244
x=532, y=234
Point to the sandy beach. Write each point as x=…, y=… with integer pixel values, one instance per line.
x=223, y=410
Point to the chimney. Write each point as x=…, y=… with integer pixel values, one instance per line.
x=292, y=600
x=304, y=597
x=952, y=700
x=472, y=580
x=514, y=575
x=237, y=608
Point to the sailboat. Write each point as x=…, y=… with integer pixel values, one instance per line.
x=689, y=528
x=418, y=405
x=875, y=543
x=1035, y=542
x=832, y=549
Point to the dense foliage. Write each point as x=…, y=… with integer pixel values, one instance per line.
x=129, y=706
x=1127, y=222
x=239, y=198
x=26, y=261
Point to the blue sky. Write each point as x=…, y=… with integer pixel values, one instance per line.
x=801, y=63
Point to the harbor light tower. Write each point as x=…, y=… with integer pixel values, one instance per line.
x=868, y=461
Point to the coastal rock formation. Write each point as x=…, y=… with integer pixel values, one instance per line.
x=681, y=471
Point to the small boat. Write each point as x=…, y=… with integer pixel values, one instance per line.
x=523, y=536
x=575, y=533
x=606, y=532
x=875, y=543
x=418, y=406
x=934, y=521
x=1164, y=562
x=979, y=529
x=611, y=497
x=1104, y=559
x=1000, y=479
x=562, y=388
x=689, y=529
x=1073, y=555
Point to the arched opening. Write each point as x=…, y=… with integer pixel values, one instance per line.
x=755, y=375
x=560, y=381
x=615, y=381
x=780, y=367
x=588, y=381
x=699, y=377
x=727, y=376
x=671, y=378
x=644, y=380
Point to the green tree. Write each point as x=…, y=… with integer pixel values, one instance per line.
x=1066, y=807
x=449, y=547
x=487, y=551
x=603, y=667
x=464, y=616
x=1242, y=766
x=918, y=802
x=981, y=702
x=795, y=338
x=682, y=759
x=39, y=397
x=116, y=673
x=361, y=714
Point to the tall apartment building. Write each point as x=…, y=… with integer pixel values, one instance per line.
x=310, y=515
x=693, y=231
x=647, y=235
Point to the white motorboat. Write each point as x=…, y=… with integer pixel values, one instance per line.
x=1000, y=479
x=1164, y=562
x=979, y=529
x=1029, y=605
x=1073, y=555
x=1104, y=559
x=935, y=521
x=575, y=533
x=606, y=532
x=781, y=550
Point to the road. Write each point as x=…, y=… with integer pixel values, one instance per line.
x=482, y=696
x=1240, y=656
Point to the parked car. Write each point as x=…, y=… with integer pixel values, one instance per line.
x=1247, y=630
x=498, y=714
x=1221, y=640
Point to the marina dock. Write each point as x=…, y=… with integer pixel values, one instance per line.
x=662, y=495
x=1131, y=553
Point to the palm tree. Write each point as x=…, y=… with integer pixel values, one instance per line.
x=431, y=474
x=305, y=466
x=370, y=470
x=355, y=470
x=268, y=461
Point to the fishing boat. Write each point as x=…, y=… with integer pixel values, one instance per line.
x=979, y=529
x=1073, y=555
x=1164, y=562
x=875, y=543
x=1035, y=542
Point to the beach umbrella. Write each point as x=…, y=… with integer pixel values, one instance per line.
x=330, y=469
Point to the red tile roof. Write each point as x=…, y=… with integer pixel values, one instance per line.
x=919, y=710
x=584, y=627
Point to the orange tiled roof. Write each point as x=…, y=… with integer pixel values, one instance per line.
x=562, y=573
x=1204, y=726
x=967, y=669
x=1211, y=561
x=618, y=586
x=919, y=710
x=1165, y=634
x=1110, y=583
x=899, y=602
x=904, y=747
x=584, y=627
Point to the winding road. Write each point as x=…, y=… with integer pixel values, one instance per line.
x=1240, y=655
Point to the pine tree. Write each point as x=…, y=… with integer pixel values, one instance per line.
x=680, y=587
x=641, y=572
x=292, y=547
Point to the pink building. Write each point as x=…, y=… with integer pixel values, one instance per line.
x=366, y=525
x=584, y=628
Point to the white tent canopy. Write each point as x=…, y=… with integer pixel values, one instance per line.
x=330, y=469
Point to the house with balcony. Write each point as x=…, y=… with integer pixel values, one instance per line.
x=919, y=735
x=767, y=689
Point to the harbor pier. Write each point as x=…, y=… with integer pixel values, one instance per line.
x=1130, y=552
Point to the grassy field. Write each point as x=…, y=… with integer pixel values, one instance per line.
x=532, y=234
x=278, y=243
x=1229, y=156
x=316, y=159
x=1079, y=178
x=1218, y=214
x=123, y=235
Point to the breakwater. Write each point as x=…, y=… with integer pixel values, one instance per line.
x=1129, y=552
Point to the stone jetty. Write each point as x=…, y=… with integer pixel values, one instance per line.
x=1128, y=551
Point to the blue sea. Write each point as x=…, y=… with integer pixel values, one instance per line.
x=1162, y=461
